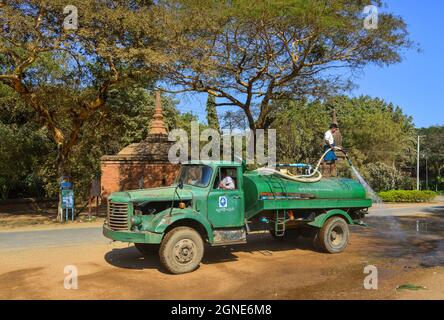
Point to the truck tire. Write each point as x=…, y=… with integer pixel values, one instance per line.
x=181, y=250
x=334, y=234
x=147, y=249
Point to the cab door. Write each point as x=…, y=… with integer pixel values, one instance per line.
x=226, y=207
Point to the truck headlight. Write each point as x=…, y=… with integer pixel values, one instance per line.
x=136, y=220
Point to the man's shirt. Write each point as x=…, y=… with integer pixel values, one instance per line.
x=328, y=137
x=228, y=183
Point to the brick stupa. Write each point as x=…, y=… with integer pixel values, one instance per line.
x=141, y=165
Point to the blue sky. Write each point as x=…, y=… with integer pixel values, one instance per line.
x=416, y=84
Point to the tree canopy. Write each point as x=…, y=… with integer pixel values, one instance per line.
x=70, y=95
x=378, y=136
x=263, y=51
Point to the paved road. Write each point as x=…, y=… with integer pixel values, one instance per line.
x=67, y=237
x=382, y=210
x=50, y=238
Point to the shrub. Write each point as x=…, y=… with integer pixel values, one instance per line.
x=407, y=196
x=382, y=177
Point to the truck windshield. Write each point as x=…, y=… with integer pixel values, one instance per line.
x=195, y=175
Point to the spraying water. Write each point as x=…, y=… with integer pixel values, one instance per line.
x=370, y=192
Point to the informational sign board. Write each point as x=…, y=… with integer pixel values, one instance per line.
x=67, y=199
x=65, y=183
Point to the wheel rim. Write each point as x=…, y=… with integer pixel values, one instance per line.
x=184, y=251
x=337, y=236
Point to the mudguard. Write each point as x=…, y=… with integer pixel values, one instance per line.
x=320, y=219
x=164, y=219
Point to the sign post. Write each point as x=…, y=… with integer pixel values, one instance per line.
x=67, y=198
x=68, y=203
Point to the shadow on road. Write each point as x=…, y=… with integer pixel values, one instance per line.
x=131, y=258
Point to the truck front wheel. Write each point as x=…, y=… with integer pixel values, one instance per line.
x=334, y=234
x=181, y=250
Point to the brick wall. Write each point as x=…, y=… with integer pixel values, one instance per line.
x=126, y=175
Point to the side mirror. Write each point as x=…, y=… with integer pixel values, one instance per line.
x=180, y=184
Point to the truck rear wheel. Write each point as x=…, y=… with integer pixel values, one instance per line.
x=147, y=249
x=334, y=234
x=181, y=250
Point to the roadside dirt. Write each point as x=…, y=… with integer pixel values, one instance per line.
x=34, y=216
x=30, y=222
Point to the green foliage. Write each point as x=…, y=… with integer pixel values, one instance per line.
x=407, y=196
x=23, y=150
x=378, y=136
x=257, y=52
x=432, y=151
x=372, y=130
x=383, y=177
x=28, y=156
x=300, y=129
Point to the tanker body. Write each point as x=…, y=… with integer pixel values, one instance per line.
x=175, y=221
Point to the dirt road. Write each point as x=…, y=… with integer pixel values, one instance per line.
x=405, y=250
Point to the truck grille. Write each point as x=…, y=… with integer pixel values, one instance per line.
x=118, y=216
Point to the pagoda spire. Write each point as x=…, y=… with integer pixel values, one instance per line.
x=157, y=125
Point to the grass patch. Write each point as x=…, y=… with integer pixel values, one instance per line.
x=409, y=286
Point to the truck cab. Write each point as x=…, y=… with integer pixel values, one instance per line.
x=175, y=221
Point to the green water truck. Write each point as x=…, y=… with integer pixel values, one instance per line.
x=176, y=221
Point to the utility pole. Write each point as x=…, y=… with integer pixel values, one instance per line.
x=417, y=163
x=427, y=173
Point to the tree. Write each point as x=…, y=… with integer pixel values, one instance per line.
x=376, y=134
x=431, y=146
x=212, y=119
x=23, y=149
x=383, y=177
x=28, y=155
x=264, y=51
x=65, y=74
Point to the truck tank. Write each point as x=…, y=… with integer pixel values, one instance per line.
x=272, y=192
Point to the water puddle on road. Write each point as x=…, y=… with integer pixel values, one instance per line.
x=419, y=239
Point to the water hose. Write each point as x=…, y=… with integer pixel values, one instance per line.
x=315, y=176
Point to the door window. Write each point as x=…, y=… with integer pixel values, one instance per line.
x=226, y=179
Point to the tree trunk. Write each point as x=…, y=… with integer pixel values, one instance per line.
x=61, y=170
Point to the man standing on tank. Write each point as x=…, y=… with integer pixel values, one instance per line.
x=330, y=158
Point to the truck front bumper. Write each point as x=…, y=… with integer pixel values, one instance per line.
x=132, y=236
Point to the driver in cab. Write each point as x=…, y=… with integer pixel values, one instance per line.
x=227, y=182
